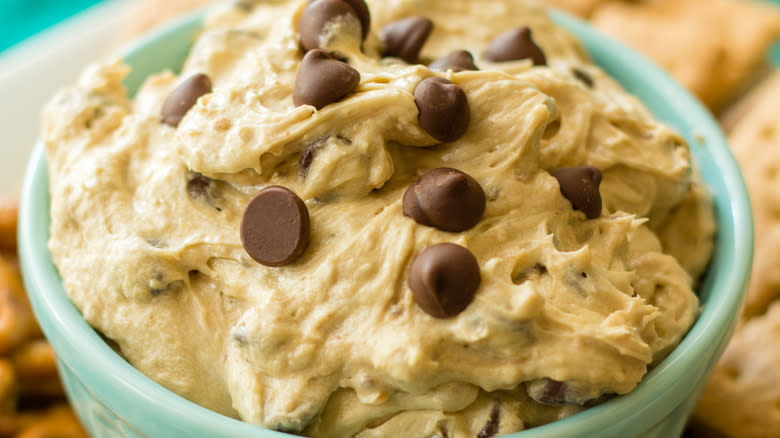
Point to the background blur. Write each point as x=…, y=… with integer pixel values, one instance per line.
x=43, y=46
x=22, y=18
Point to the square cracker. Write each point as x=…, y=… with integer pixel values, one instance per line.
x=713, y=47
x=755, y=140
x=742, y=398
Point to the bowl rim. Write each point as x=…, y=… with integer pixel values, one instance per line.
x=126, y=389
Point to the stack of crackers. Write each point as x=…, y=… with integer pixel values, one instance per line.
x=32, y=401
x=716, y=48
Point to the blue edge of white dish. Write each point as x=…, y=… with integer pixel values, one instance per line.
x=722, y=178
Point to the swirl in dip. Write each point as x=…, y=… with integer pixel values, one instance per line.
x=336, y=222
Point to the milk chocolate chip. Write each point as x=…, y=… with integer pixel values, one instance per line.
x=319, y=13
x=323, y=79
x=183, y=98
x=444, y=109
x=443, y=279
x=405, y=38
x=580, y=185
x=456, y=61
x=361, y=8
x=275, y=227
x=515, y=45
x=445, y=198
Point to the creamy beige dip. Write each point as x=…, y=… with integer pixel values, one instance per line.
x=333, y=344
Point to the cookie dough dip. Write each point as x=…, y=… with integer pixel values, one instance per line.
x=394, y=218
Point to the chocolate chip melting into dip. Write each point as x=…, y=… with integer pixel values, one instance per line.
x=580, y=185
x=323, y=79
x=493, y=425
x=275, y=227
x=445, y=198
x=183, y=98
x=202, y=188
x=319, y=14
x=444, y=278
x=444, y=109
x=515, y=45
x=553, y=392
x=405, y=38
x=582, y=76
x=456, y=61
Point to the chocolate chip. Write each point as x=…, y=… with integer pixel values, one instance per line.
x=444, y=109
x=494, y=422
x=445, y=198
x=444, y=278
x=199, y=186
x=515, y=45
x=202, y=188
x=363, y=14
x=582, y=76
x=173, y=286
x=323, y=79
x=159, y=285
x=548, y=391
x=309, y=152
x=456, y=61
x=580, y=185
x=307, y=155
x=405, y=38
x=553, y=392
x=275, y=227
x=318, y=14
x=183, y=98
x=523, y=275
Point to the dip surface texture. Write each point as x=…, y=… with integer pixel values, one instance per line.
x=565, y=306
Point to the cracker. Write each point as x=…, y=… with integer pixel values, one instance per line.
x=742, y=398
x=711, y=46
x=755, y=140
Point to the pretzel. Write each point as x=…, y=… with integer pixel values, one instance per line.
x=17, y=323
x=58, y=421
x=36, y=370
x=8, y=387
x=8, y=215
x=28, y=366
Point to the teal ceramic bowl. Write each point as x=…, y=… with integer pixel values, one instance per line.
x=115, y=400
